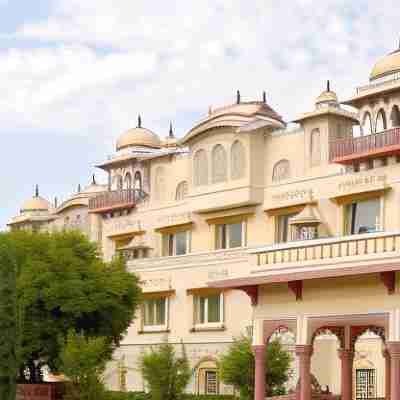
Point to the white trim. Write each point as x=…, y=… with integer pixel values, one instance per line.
x=156, y=328
x=207, y=324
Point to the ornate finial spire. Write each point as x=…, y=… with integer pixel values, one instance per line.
x=171, y=132
x=55, y=202
x=209, y=110
x=79, y=187
x=93, y=179
x=139, y=121
x=328, y=86
x=264, y=97
x=37, y=190
x=238, y=97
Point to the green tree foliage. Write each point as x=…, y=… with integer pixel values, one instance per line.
x=236, y=367
x=8, y=320
x=83, y=361
x=166, y=373
x=63, y=284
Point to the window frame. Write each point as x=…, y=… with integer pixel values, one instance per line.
x=159, y=327
x=277, y=227
x=169, y=239
x=205, y=325
x=218, y=227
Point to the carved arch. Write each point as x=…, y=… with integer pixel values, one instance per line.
x=238, y=160
x=337, y=331
x=281, y=171
x=395, y=116
x=128, y=181
x=380, y=124
x=138, y=183
x=181, y=190
x=200, y=168
x=357, y=331
x=366, y=124
x=219, y=164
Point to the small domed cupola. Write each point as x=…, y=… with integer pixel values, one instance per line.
x=138, y=137
x=327, y=97
x=387, y=67
x=35, y=204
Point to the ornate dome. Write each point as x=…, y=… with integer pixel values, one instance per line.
x=36, y=203
x=327, y=96
x=386, y=65
x=138, y=137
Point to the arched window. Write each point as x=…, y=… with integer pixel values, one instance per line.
x=238, y=160
x=315, y=147
x=159, y=182
x=395, y=117
x=128, y=180
x=219, y=164
x=138, y=181
x=181, y=191
x=380, y=121
x=281, y=171
x=200, y=168
x=367, y=124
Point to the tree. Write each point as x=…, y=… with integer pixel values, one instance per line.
x=83, y=360
x=166, y=374
x=63, y=284
x=236, y=367
x=8, y=320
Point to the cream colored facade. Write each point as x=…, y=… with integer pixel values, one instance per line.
x=248, y=224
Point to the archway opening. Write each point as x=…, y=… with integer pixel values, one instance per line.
x=369, y=366
x=395, y=117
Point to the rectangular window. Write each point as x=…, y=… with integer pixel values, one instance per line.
x=155, y=313
x=176, y=244
x=211, y=382
x=363, y=216
x=283, y=228
x=209, y=309
x=229, y=236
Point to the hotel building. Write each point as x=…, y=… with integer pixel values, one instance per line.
x=247, y=224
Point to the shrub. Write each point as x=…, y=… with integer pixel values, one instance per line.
x=166, y=374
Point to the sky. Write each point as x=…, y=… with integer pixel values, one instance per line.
x=75, y=74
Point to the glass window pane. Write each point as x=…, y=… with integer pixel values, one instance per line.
x=202, y=310
x=149, y=312
x=160, y=311
x=213, y=308
x=221, y=236
x=364, y=216
x=235, y=235
x=181, y=243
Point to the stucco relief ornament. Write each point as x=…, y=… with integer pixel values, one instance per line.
x=281, y=171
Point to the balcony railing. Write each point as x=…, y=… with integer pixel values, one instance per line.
x=329, y=248
x=363, y=147
x=113, y=199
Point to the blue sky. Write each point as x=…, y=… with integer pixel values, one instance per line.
x=75, y=74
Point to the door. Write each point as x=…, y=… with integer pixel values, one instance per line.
x=211, y=382
x=365, y=384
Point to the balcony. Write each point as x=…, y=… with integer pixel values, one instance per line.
x=339, y=249
x=346, y=151
x=113, y=200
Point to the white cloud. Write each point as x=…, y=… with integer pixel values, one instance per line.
x=106, y=62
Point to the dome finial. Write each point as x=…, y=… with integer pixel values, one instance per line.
x=139, y=121
x=328, y=85
x=171, y=132
x=264, y=97
x=238, y=97
x=93, y=179
x=79, y=187
x=55, y=202
x=37, y=190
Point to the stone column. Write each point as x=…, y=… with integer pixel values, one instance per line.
x=394, y=351
x=259, y=383
x=304, y=352
x=386, y=356
x=347, y=358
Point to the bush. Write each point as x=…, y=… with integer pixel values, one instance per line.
x=166, y=374
x=114, y=395
x=237, y=367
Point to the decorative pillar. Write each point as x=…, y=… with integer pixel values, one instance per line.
x=347, y=358
x=304, y=352
x=259, y=383
x=394, y=351
x=386, y=355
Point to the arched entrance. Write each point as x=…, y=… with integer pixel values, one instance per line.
x=206, y=377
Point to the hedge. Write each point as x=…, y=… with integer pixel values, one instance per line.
x=147, y=396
